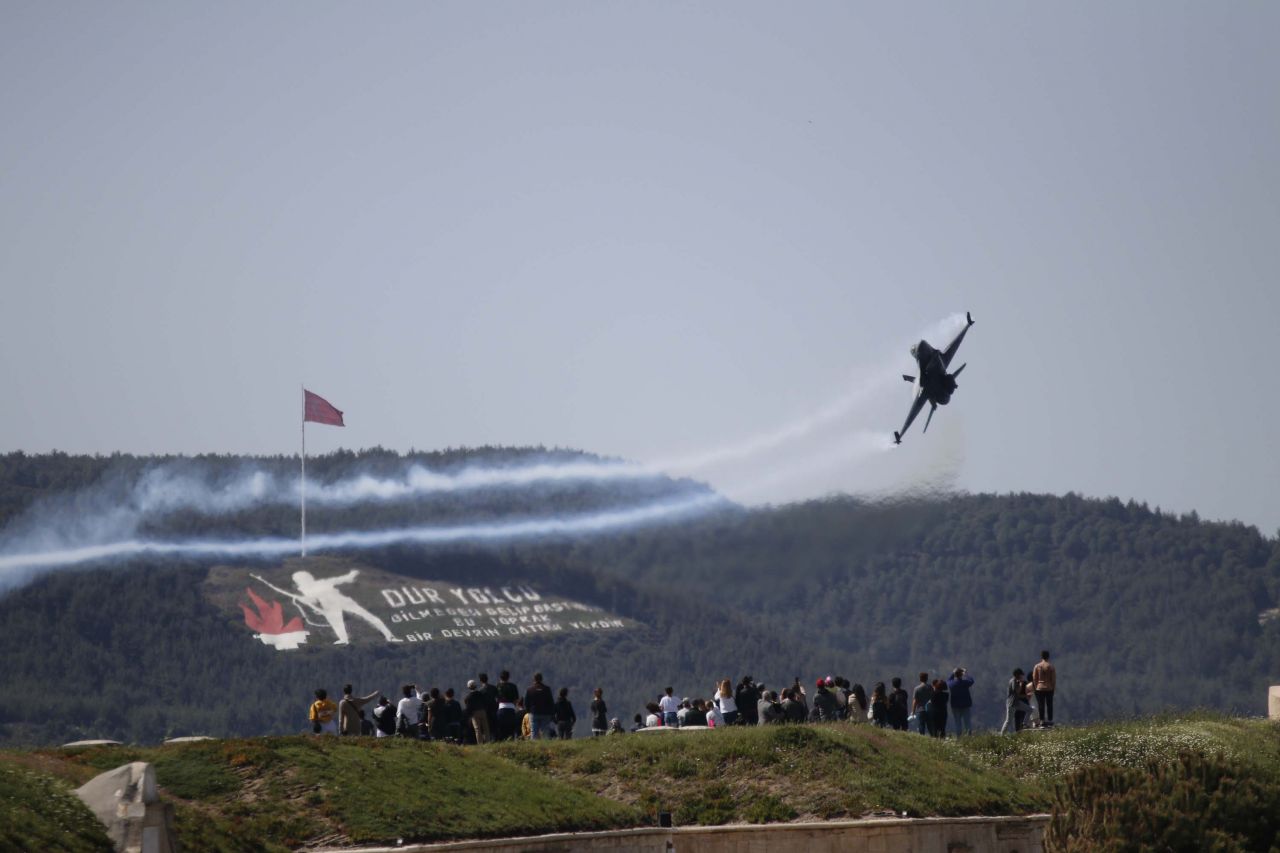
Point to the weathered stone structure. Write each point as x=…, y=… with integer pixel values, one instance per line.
x=892, y=835
x=126, y=801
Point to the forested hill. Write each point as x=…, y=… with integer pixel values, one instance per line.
x=1143, y=610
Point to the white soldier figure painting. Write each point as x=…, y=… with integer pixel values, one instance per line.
x=322, y=596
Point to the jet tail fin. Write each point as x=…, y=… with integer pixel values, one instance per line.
x=958, y=369
x=908, y=378
x=932, y=409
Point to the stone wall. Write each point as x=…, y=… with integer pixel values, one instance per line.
x=892, y=835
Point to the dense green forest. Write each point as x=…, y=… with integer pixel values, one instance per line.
x=1143, y=610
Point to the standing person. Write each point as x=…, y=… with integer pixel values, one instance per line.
x=798, y=695
x=453, y=716
x=384, y=717
x=349, y=711
x=437, y=716
x=491, y=700
x=476, y=707
x=898, y=705
x=858, y=705
x=322, y=713
x=724, y=702
x=792, y=711
x=824, y=703
x=507, y=717
x=919, y=701
x=526, y=721
x=879, y=705
x=842, y=697
x=747, y=698
x=769, y=710
x=1015, y=703
x=565, y=717
x=696, y=715
x=938, y=708
x=541, y=707
x=1045, y=679
x=961, y=700
x=599, y=713
x=669, y=708
x=408, y=711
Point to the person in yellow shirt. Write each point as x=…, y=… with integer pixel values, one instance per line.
x=323, y=714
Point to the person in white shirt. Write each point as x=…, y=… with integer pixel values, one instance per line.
x=409, y=711
x=670, y=707
x=725, y=704
x=715, y=719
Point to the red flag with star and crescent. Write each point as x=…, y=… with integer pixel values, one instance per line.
x=320, y=411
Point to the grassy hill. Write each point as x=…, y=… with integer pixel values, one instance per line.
x=288, y=791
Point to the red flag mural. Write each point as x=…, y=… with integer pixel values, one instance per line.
x=320, y=411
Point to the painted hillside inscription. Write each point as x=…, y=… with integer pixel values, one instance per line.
x=335, y=602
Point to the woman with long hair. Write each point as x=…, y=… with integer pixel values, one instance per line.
x=858, y=704
x=724, y=701
x=879, y=705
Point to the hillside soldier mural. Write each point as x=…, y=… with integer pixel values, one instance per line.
x=389, y=607
x=323, y=597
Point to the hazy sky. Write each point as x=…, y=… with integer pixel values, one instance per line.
x=650, y=229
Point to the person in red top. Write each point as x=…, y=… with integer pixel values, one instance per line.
x=1044, y=678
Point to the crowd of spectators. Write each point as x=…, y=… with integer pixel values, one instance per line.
x=491, y=712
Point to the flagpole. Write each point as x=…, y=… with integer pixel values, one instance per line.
x=303, y=482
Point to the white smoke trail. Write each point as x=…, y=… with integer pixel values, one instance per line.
x=165, y=490
x=100, y=525
x=17, y=568
x=851, y=448
x=874, y=382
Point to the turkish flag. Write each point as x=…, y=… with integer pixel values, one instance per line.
x=320, y=411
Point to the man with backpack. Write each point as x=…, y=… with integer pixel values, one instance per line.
x=384, y=718
x=349, y=711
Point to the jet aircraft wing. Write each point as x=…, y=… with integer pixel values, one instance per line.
x=916, y=406
x=950, y=352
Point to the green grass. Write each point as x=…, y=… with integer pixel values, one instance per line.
x=287, y=792
x=784, y=773
x=390, y=789
x=40, y=812
x=1130, y=743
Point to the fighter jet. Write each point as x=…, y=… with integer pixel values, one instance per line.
x=935, y=386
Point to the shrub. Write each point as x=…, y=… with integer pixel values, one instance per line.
x=1196, y=802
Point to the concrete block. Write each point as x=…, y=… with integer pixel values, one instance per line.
x=125, y=800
